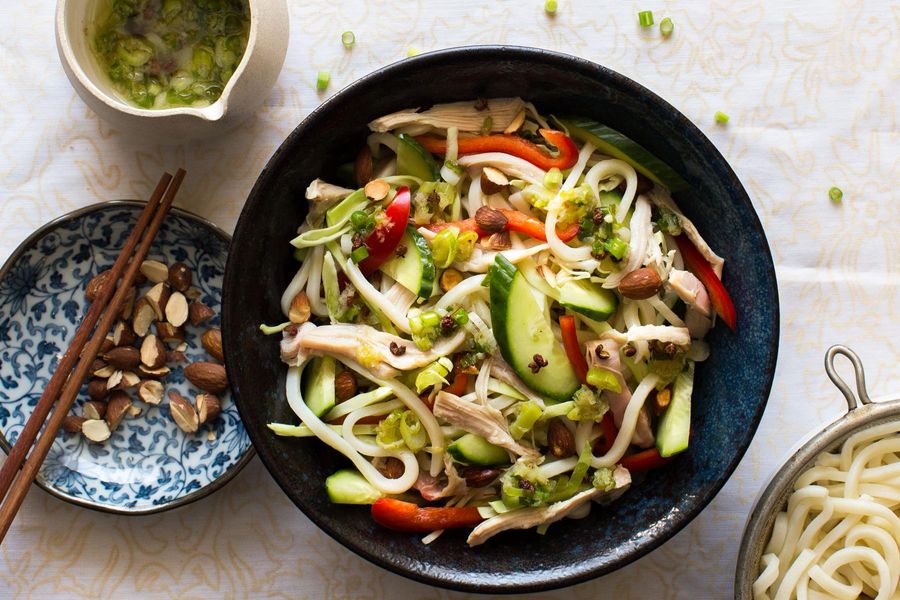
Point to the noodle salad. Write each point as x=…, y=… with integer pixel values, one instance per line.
x=497, y=320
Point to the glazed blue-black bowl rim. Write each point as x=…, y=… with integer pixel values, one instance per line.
x=202, y=492
x=589, y=68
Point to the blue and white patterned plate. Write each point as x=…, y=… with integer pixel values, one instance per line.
x=148, y=465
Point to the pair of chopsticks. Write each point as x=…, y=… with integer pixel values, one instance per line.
x=21, y=467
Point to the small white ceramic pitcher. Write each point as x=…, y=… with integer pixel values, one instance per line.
x=242, y=96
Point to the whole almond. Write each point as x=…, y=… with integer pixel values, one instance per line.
x=212, y=343
x=169, y=333
x=477, y=477
x=154, y=271
x=118, y=405
x=150, y=391
x=199, y=313
x=180, y=277
x=492, y=181
x=153, y=352
x=72, y=423
x=177, y=309
x=95, y=430
x=640, y=284
x=95, y=285
x=93, y=409
x=490, y=219
x=392, y=468
x=299, y=311
x=181, y=411
x=208, y=408
x=97, y=389
x=560, y=440
x=499, y=241
x=363, y=167
x=143, y=316
x=157, y=298
x=344, y=386
x=209, y=377
x=123, y=357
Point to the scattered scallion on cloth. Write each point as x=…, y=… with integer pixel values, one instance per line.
x=836, y=195
x=645, y=17
x=721, y=117
x=410, y=52
x=322, y=80
x=666, y=27
x=550, y=7
x=348, y=38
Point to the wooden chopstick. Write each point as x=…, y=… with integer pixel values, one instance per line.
x=67, y=363
x=72, y=384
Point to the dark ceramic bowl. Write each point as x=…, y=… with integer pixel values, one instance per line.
x=732, y=386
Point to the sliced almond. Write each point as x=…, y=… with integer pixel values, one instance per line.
x=93, y=409
x=193, y=293
x=181, y=347
x=150, y=391
x=209, y=377
x=144, y=315
x=180, y=277
x=123, y=357
x=72, y=423
x=212, y=343
x=114, y=379
x=181, y=411
x=177, y=309
x=377, y=190
x=199, y=313
x=153, y=352
x=157, y=298
x=169, y=333
x=119, y=403
x=299, y=311
x=154, y=271
x=493, y=181
x=208, y=408
x=95, y=430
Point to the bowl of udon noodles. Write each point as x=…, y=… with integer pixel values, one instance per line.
x=828, y=523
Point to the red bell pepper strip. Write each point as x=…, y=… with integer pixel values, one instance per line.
x=572, y=347
x=406, y=516
x=565, y=158
x=646, y=460
x=385, y=238
x=610, y=432
x=515, y=221
x=718, y=295
x=459, y=385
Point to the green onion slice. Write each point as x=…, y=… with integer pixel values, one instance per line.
x=836, y=194
x=645, y=17
x=348, y=39
x=666, y=27
x=550, y=7
x=322, y=80
x=721, y=117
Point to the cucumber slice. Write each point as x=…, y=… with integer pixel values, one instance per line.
x=588, y=298
x=521, y=326
x=475, y=450
x=415, y=270
x=348, y=486
x=318, y=393
x=609, y=141
x=674, y=430
x=413, y=159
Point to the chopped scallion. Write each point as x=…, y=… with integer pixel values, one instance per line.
x=553, y=179
x=359, y=255
x=666, y=27
x=721, y=117
x=348, y=39
x=836, y=194
x=550, y=7
x=322, y=80
x=645, y=17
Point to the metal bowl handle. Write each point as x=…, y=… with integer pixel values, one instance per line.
x=836, y=379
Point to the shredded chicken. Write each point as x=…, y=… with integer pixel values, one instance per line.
x=465, y=116
x=526, y=518
x=486, y=421
x=322, y=191
x=680, y=336
x=689, y=289
x=347, y=340
x=292, y=351
x=433, y=489
x=481, y=260
x=618, y=402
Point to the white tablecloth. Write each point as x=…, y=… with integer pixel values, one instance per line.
x=811, y=88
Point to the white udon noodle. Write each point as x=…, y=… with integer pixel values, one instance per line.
x=839, y=536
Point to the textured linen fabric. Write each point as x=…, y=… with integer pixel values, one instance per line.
x=811, y=89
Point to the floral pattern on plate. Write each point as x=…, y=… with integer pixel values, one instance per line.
x=148, y=464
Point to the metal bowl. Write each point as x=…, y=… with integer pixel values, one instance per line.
x=862, y=413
